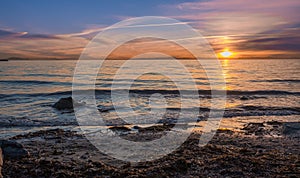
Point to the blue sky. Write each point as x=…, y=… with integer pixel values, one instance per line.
x=58, y=16
x=61, y=28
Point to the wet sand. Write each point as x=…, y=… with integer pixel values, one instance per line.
x=269, y=149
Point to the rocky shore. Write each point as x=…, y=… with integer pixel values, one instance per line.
x=269, y=149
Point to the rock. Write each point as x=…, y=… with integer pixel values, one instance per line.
x=105, y=109
x=168, y=121
x=291, y=129
x=271, y=128
x=254, y=128
x=120, y=129
x=244, y=98
x=1, y=163
x=12, y=149
x=181, y=165
x=225, y=130
x=157, y=128
x=136, y=127
x=65, y=103
x=274, y=123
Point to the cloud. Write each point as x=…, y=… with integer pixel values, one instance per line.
x=254, y=27
x=234, y=5
x=286, y=41
x=88, y=33
x=38, y=36
x=6, y=34
x=23, y=44
x=248, y=16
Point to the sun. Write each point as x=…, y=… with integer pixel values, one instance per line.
x=226, y=54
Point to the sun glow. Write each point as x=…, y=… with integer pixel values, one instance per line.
x=226, y=54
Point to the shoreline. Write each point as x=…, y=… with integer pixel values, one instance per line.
x=254, y=152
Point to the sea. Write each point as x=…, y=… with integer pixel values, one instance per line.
x=256, y=91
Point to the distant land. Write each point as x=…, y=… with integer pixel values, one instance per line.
x=75, y=58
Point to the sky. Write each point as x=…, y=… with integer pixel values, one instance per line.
x=62, y=28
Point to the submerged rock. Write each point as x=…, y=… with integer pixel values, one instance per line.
x=105, y=109
x=12, y=149
x=244, y=98
x=254, y=128
x=120, y=129
x=271, y=128
x=291, y=129
x=136, y=127
x=66, y=103
x=156, y=128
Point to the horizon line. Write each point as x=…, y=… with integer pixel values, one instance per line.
x=121, y=59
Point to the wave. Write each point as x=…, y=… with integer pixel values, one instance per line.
x=200, y=92
x=37, y=75
x=34, y=82
x=147, y=92
x=244, y=111
x=283, y=112
x=278, y=81
x=48, y=75
x=264, y=108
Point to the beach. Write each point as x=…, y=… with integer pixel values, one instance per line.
x=255, y=151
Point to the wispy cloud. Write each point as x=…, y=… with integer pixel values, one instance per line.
x=7, y=34
x=245, y=25
x=24, y=44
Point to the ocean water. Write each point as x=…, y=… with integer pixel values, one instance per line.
x=256, y=90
